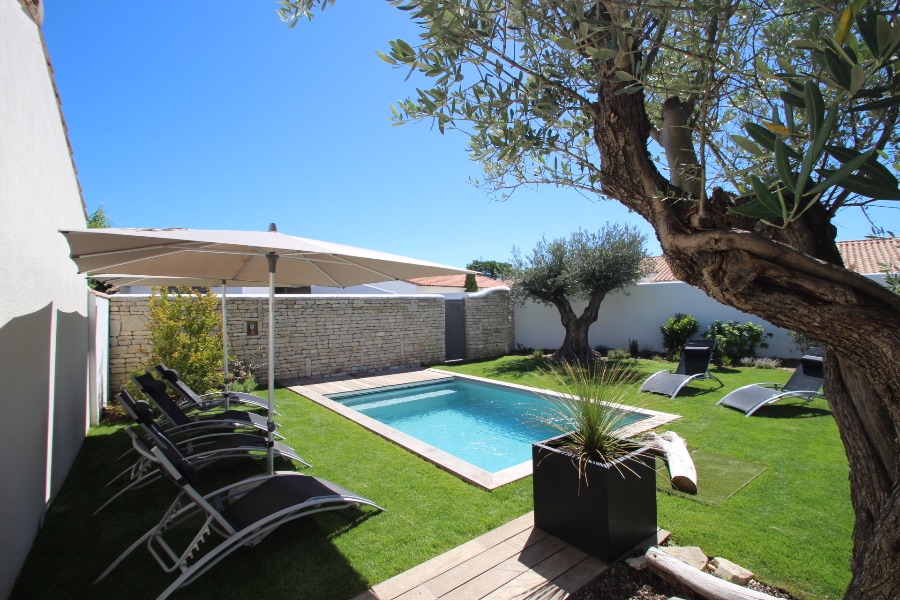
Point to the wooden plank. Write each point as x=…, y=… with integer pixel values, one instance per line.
x=509, y=530
x=404, y=582
x=408, y=580
x=460, y=574
x=537, y=582
x=503, y=573
x=418, y=593
x=580, y=575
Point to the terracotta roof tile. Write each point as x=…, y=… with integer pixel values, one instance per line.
x=867, y=256
x=456, y=281
x=862, y=256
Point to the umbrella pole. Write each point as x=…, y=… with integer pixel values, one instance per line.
x=272, y=258
x=225, y=340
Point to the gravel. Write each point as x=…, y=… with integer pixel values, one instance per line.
x=621, y=582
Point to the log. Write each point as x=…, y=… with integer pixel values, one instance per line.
x=682, y=472
x=703, y=584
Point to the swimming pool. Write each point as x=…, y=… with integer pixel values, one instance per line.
x=479, y=429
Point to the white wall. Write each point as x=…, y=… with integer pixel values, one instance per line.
x=43, y=303
x=98, y=355
x=639, y=315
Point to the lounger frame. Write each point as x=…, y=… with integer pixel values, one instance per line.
x=190, y=503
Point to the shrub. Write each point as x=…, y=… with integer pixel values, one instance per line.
x=633, y=348
x=677, y=331
x=186, y=335
x=760, y=363
x=537, y=354
x=618, y=354
x=735, y=341
x=243, y=372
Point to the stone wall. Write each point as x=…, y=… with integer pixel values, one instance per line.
x=322, y=335
x=490, y=329
x=315, y=335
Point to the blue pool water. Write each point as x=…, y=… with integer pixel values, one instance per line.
x=489, y=426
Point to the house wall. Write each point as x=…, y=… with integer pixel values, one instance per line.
x=639, y=314
x=315, y=335
x=43, y=303
x=490, y=324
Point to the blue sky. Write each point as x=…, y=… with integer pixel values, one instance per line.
x=212, y=114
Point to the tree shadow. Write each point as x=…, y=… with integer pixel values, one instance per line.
x=791, y=411
x=298, y=560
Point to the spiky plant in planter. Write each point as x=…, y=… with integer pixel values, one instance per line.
x=593, y=488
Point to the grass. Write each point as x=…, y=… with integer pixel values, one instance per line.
x=791, y=525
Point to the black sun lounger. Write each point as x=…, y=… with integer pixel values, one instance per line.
x=694, y=364
x=155, y=390
x=805, y=383
x=199, y=451
x=241, y=514
x=194, y=401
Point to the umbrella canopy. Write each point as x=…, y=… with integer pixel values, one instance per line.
x=241, y=256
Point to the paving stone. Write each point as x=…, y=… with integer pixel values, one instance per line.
x=727, y=570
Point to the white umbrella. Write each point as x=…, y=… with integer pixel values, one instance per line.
x=241, y=256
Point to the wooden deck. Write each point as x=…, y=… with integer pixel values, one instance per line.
x=348, y=383
x=514, y=561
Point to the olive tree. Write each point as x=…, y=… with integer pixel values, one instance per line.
x=585, y=267
x=737, y=130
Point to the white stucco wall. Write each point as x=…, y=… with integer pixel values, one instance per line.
x=639, y=315
x=43, y=303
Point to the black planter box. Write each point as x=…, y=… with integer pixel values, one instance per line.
x=607, y=513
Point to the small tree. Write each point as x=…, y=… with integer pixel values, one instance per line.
x=471, y=284
x=492, y=268
x=98, y=220
x=676, y=331
x=735, y=341
x=587, y=267
x=186, y=335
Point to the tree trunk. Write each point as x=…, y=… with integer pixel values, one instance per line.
x=792, y=278
x=575, y=346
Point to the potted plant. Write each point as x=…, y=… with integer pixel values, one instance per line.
x=593, y=489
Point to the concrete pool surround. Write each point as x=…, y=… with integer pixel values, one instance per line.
x=317, y=392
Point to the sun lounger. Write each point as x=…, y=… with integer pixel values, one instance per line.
x=694, y=365
x=199, y=451
x=805, y=383
x=240, y=514
x=194, y=401
x=181, y=423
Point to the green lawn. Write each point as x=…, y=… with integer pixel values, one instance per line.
x=791, y=524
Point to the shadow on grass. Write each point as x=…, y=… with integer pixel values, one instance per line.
x=513, y=368
x=791, y=411
x=298, y=560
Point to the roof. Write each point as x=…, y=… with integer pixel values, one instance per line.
x=867, y=256
x=862, y=256
x=458, y=281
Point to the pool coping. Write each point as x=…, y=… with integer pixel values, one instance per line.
x=444, y=460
